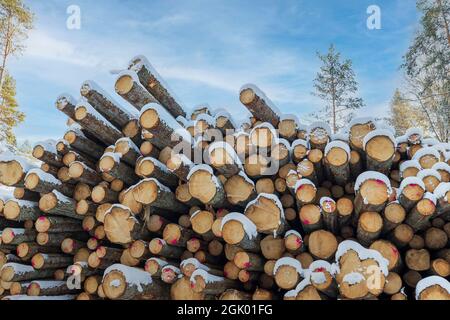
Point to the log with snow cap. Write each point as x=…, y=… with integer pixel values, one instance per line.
x=444, y=171
x=427, y=157
x=46, y=152
x=19, y=272
x=410, y=192
x=122, y=226
x=66, y=104
x=204, y=125
x=39, y=181
x=154, y=83
x=149, y=167
x=240, y=231
x=281, y=153
x=371, y=266
x=130, y=89
x=112, y=164
x=293, y=242
x=288, y=127
x=300, y=148
x=433, y=288
x=206, y=187
x=409, y=168
x=165, y=130
x=95, y=123
x=337, y=158
x=170, y=274
x=373, y=190
x=13, y=169
x=55, y=203
x=224, y=121
x=21, y=210
x=319, y=135
x=203, y=282
x=267, y=213
x=128, y=150
x=358, y=129
x=77, y=140
x=240, y=189
x=121, y=282
x=419, y=216
x=431, y=178
x=261, y=107
x=263, y=136
x=379, y=146
x=287, y=273
x=224, y=159
x=305, y=192
x=321, y=277
x=84, y=174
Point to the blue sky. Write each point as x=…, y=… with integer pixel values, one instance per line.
x=206, y=50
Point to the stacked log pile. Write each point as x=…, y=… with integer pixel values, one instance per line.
x=158, y=203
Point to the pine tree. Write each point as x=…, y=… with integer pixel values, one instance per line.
x=427, y=67
x=10, y=116
x=335, y=84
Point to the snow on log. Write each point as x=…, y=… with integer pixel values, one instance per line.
x=96, y=124
x=121, y=282
x=155, y=84
x=261, y=107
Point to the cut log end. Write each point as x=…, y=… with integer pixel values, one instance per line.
x=146, y=192
x=380, y=148
x=202, y=186
x=337, y=157
x=48, y=202
x=12, y=173
x=247, y=96
x=114, y=284
x=322, y=244
x=149, y=119
x=124, y=84
x=202, y=222
x=119, y=224
x=32, y=181
x=76, y=170
x=11, y=210
x=38, y=151
x=374, y=192
x=233, y=232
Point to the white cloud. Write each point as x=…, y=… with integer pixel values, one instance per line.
x=43, y=46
